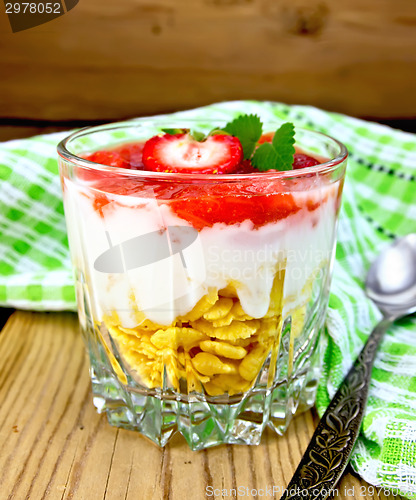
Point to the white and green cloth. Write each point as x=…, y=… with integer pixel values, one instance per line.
x=379, y=203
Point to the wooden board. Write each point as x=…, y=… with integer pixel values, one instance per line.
x=53, y=444
x=109, y=60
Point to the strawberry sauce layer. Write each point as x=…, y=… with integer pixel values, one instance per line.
x=202, y=205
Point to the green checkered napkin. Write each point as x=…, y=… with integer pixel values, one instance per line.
x=379, y=203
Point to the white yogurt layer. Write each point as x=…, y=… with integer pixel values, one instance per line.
x=164, y=284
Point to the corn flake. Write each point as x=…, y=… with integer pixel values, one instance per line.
x=175, y=337
x=250, y=366
x=236, y=330
x=209, y=364
x=215, y=347
x=231, y=383
x=202, y=306
x=229, y=291
x=223, y=349
x=220, y=309
x=238, y=312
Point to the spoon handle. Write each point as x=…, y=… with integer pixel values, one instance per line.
x=332, y=442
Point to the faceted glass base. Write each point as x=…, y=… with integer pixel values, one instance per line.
x=204, y=420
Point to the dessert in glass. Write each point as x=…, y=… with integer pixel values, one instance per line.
x=202, y=257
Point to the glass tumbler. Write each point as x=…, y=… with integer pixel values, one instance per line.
x=201, y=297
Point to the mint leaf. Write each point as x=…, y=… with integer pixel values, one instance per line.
x=198, y=136
x=277, y=155
x=265, y=157
x=283, y=142
x=174, y=131
x=248, y=129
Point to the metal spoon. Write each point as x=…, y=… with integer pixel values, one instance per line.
x=391, y=284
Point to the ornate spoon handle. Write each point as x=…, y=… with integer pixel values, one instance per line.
x=332, y=442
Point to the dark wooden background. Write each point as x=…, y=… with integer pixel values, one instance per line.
x=107, y=60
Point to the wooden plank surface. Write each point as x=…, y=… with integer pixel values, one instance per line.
x=108, y=60
x=53, y=444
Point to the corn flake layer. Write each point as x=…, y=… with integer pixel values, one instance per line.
x=216, y=347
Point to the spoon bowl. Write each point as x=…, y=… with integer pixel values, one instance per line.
x=391, y=280
x=391, y=284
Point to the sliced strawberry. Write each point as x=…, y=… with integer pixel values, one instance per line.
x=301, y=160
x=181, y=153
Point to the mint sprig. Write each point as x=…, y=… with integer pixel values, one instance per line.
x=248, y=129
x=275, y=155
x=278, y=154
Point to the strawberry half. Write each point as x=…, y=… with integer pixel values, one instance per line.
x=181, y=153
